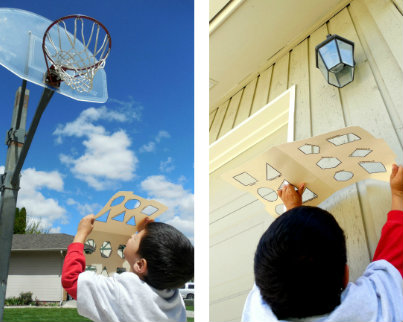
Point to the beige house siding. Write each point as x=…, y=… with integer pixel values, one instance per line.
x=374, y=101
x=36, y=272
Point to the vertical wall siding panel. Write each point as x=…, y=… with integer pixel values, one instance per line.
x=362, y=101
x=280, y=77
x=386, y=69
x=231, y=113
x=262, y=90
x=246, y=102
x=389, y=21
x=218, y=119
x=299, y=75
x=327, y=115
x=363, y=106
x=399, y=5
x=211, y=117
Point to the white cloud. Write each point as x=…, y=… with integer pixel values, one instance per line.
x=167, y=166
x=151, y=145
x=83, y=125
x=161, y=135
x=84, y=209
x=55, y=230
x=107, y=158
x=38, y=206
x=130, y=108
x=179, y=201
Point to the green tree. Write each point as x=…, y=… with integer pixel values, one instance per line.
x=20, y=222
x=35, y=227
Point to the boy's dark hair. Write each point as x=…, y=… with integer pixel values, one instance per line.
x=169, y=256
x=300, y=263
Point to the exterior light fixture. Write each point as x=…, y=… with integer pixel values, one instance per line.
x=335, y=59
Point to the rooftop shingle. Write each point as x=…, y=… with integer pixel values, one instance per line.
x=41, y=241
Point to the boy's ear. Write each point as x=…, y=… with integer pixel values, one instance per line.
x=140, y=267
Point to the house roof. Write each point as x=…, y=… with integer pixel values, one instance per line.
x=41, y=242
x=246, y=34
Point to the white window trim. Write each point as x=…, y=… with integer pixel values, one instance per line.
x=263, y=123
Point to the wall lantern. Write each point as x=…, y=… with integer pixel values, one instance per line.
x=335, y=59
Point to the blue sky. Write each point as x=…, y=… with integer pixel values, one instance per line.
x=140, y=140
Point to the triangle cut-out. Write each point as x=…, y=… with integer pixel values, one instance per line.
x=120, y=217
x=104, y=217
x=131, y=221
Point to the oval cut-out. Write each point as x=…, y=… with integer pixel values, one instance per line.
x=267, y=193
x=132, y=204
x=343, y=175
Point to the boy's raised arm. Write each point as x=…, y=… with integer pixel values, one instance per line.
x=74, y=262
x=390, y=246
x=292, y=198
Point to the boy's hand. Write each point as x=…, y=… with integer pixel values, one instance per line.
x=144, y=223
x=290, y=197
x=396, y=187
x=84, y=229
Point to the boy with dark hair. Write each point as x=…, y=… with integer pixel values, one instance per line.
x=160, y=257
x=301, y=267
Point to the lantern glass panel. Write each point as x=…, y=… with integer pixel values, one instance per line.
x=333, y=79
x=322, y=67
x=346, y=52
x=330, y=54
x=345, y=76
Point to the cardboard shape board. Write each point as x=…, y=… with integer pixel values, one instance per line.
x=113, y=226
x=326, y=163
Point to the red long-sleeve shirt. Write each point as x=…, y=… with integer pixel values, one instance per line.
x=74, y=264
x=390, y=246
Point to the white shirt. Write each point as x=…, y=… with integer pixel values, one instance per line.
x=126, y=298
x=376, y=296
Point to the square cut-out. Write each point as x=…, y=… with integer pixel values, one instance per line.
x=372, y=166
x=271, y=173
x=149, y=210
x=328, y=163
x=268, y=194
x=360, y=153
x=90, y=246
x=309, y=149
x=245, y=178
x=343, y=139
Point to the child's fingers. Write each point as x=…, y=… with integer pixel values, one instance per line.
x=395, y=169
x=301, y=188
x=280, y=192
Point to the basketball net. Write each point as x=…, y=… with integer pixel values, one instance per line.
x=75, y=58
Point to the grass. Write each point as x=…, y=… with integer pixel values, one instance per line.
x=42, y=315
x=53, y=315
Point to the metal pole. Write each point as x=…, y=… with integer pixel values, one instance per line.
x=9, y=192
x=18, y=146
x=46, y=96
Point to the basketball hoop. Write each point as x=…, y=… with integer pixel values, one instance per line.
x=75, y=57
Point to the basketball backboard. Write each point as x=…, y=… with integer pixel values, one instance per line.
x=21, y=37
